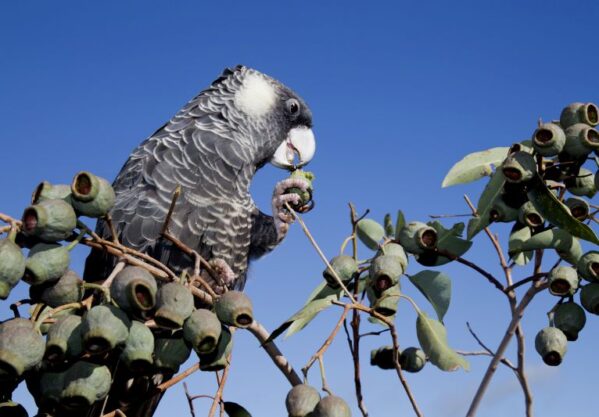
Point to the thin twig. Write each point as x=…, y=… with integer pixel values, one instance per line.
x=490, y=277
x=505, y=361
x=219, y=393
x=189, y=400
x=178, y=378
x=399, y=371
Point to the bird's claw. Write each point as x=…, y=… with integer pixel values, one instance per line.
x=281, y=197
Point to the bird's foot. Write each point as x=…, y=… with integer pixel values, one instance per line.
x=281, y=195
x=225, y=277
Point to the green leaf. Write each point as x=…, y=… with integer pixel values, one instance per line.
x=235, y=410
x=520, y=234
x=557, y=213
x=567, y=246
x=491, y=193
x=475, y=166
x=448, y=240
x=370, y=233
x=399, y=223
x=433, y=340
x=436, y=287
x=389, y=229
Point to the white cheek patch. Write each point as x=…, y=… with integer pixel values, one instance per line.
x=256, y=96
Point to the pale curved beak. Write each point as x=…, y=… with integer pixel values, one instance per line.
x=296, y=150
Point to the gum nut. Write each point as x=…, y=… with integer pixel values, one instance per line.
x=519, y=167
x=49, y=220
x=202, y=330
x=21, y=348
x=45, y=325
x=386, y=303
x=50, y=386
x=305, y=196
x=68, y=289
x=579, y=208
x=332, y=406
x=370, y=233
x=174, y=303
x=529, y=215
x=84, y=384
x=551, y=344
x=64, y=339
x=46, y=262
x=382, y=357
x=549, y=139
x=581, y=140
x=395, y=249
x=589, y=298
x=570, y=251
x=46, y=191
x=570, y=318
x=12, y=266
x=596, y=180
x=501, y=212
x=345, y=267
x=235, y=309
x=134, y=290
x=416, y=237
x=588, y=266
x=103, y=328
x=412, y=359
x=92, y=196
x=12, y=409
x=583, y=185
x=170, y=353
x=563, y=280
x=574, y=113
x=219, y=358
x=301, y=400
x=385, y=271
x=137, y=355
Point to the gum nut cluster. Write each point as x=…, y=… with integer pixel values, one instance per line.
x=304, y=401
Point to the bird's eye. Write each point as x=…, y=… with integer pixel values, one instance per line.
x=293, y=106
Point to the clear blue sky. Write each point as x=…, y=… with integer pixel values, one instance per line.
x=399, y=92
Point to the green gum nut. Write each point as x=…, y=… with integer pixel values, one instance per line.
x=331, y=406
x=581, y=140
x=589, y=298
x=530, y=216
x=588, y=266
x=12, y=409
x=382, y=357
x=170, y=353
x=570, y=318
x=563, y=281
x=579, y=208
x=174, y=304
x=519, y=167
x=12, y=266
x=103, y=328
x=202, y=330
x=395, y=249
x=370, y=233
x=45, y=325
x=570, y=250
x=345, y=267
x=64, y=339
x=134, y=290
x=575, y=113
x=137, y=355
x=503, y=213
x=582, y=185
x=549, y=139
x=50, y=385
x=84, y=383
x=46, y=191
x=92, y=196
x=68, y=289
x=305, y=196
x=301, y=400
x=49, y=220
x=386, y=303
x=551, y=344
x=412, y=359
x=384, y=273
x=21, y=348
x=235, y=309
x=417, y=237
x=46, y=262
x=219, y=358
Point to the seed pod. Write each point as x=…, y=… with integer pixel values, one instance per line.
x=502, y=212
x=549, y=139
x=416, y=237
x=134, y=290
x=235, y=309
x=92, y=196
x=382, y=357
x=12, y=266
x=174, y=304
x=48, y=388
x=103, y=328
x=202, y=330
x=384, y=273
x=170, y=353
x=588, y=266
x=519, y=167
x=589, y=297
x=570, y=318
x=12, y=409
x=67, y=289
x=21, y=348
x=46, y=262
x=581, y=140
x=412, y=359
x=46, y=191
x=137, y=355
x=385, y=303
x=45, y=326
x=530, y=216
x=569, y=250
x=583, y=185
x=332, y=406
x=49, y=220
x=84, y=384
x=395, y=249
x=563, y=281
x=579, y=208
x=219, y=358
x=551, y=344
x=370, y=233
x=345, y=267
x=305, y=196
x=586, y=113
x=301, y=400
x=64, y=339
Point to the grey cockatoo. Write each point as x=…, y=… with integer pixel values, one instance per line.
x=212, y=148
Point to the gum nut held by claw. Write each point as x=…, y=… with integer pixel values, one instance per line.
x=586, y=113
x=416, y=237
x=103, y=328
x=589, y=297
x=92, y=196
x=551, y=344
x=47, y=191
x=21, y=348
x=412, y=359
x=235, y=309
x=12, y=266
x=46, y=262
x=134, y=290
x=174, y=303
x=139, y=347
x=588, y=266
x=170, y=352
x=305, y=195
x=570, y=318
x=49, y=220
x=66, y=290
x=519, y=167
x=332, y=406
x=64, y=339
x=583, y=185
x=344, y=266
x=301, y=400
x=563, y=281
x=549, y=139
x=202, y=330
x=84, y=384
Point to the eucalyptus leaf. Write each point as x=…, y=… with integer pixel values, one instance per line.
x=399, y=223
x=370, y=233
x=433, y=340
x=491, y=193
x=235, y=410
x=475, y=166
x=436, y=287
x=389, y=229
x=520, y=234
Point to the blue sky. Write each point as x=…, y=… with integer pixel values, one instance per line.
x=399, y=92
